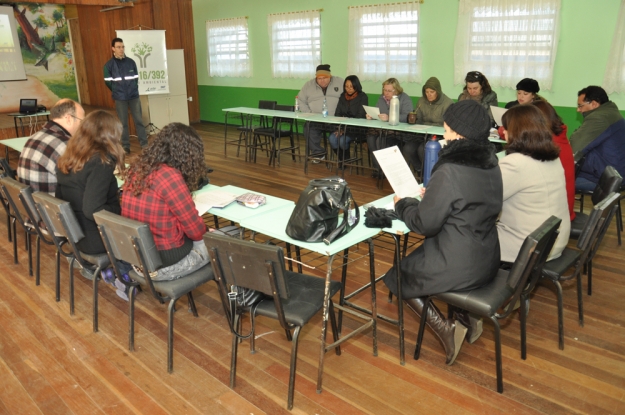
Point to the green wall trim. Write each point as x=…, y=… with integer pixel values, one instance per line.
x=214, y=98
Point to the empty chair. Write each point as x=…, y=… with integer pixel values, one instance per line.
x=610, y=181
x=246, y=130
x=503, y=292
x=291, y=298
x=59, y=219
x=282, y=127
x=19, y=196
x=587, y=245
x=132, y=241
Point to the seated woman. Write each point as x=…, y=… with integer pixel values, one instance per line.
x=158, y=192
x=526, y=93
x=351, y=106
x=85, y=174
x=478, y=89
x=558, y=135
x=457, y=216
x=430, y=109
x=377, y=139
x=534, y=187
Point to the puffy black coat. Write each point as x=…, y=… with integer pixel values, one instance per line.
x=458, y=217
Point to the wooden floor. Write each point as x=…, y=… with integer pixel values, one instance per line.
x=52, y=363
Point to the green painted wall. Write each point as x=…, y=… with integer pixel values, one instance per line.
x=582, y=52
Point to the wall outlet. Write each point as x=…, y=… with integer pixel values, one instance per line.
x=190, y=99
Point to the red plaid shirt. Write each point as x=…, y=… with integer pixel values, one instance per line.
x=167, y=207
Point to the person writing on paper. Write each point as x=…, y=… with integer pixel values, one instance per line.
x=158, y=192
x=430, y=109
x=377, y=139
x=526, y=93
x=457, y=216
x=534, y=186
x=351, y=106
x=477, y=88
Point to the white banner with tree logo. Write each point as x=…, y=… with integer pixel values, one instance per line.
x=147, y=48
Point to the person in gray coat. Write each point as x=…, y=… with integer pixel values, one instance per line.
x=457, y=216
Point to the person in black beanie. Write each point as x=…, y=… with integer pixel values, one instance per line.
x=526, y=92
x=457, y=216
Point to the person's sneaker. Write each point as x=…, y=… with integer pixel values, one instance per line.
x=319, y=159
x=121, y=290
x=108, y=276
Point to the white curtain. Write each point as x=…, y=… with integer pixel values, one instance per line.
x=228, y=48
x=384, y=42
x=614, y=79
x=507, y=40
x=295, y=43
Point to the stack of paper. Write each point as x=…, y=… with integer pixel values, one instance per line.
x=213, y=199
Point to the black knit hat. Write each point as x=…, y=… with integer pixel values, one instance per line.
x=528, y=85
x=469, y=119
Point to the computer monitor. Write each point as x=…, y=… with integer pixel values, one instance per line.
x=28, y=105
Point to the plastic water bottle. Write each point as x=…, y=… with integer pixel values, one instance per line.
x=432, y=148
x=324, y=109
x=296, y=104
x=393, y=114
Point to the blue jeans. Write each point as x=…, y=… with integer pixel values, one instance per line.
x=135, y=110
x=343, y=141
x=584, y=184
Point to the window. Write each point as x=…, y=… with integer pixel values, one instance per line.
x=228, y=48
x=295, y=43
x=507, y=40
x=614, y=79
x=383, y=42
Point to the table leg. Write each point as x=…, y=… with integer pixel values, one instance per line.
x=400, y=302
x=226, y=135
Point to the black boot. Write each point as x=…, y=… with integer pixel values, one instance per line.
x=450, y=333
x=472, y=322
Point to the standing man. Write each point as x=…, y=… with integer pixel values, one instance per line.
x=122, y=78
x=311, y=97
x=600, y=140
x=37, y=163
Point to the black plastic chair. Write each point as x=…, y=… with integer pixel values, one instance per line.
x=580, y=258
x=20, y=199
x=504, y=291
x=291, y=298
x=281, y=127
x=6, y=171
x=609, y=182
x=59, y=219
x=132, y=241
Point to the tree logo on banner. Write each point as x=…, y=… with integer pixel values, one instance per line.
x=142, y=51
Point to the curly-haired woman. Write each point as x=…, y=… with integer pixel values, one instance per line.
x=85, y=174
x=158, y=192
x=477, y=88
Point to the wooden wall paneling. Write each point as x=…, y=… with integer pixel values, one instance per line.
x=176, y=18
x=77, y=2
x=79, y=61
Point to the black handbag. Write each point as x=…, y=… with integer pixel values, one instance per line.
x=316, y=214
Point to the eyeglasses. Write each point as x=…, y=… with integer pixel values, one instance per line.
x=582, y=104
x=475, y=74
x=73, y=116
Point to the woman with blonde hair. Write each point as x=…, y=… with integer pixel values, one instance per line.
x=85, y=174
x=375, y=140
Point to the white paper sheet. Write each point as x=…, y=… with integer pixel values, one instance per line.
x=214, y=198
x=398, y=173
x=497, y=112
x=373, y=112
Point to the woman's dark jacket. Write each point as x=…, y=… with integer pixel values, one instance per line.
x=352, y=108
x=457, y=216
x=88, y=191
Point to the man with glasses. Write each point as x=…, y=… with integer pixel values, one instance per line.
x=37, y=163
x=600, y=140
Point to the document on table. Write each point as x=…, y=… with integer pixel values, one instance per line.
x=398, y=173
x=497, y=112
x=213, y=199
x=373, y=112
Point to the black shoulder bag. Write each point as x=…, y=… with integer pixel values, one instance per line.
x=316, y=215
